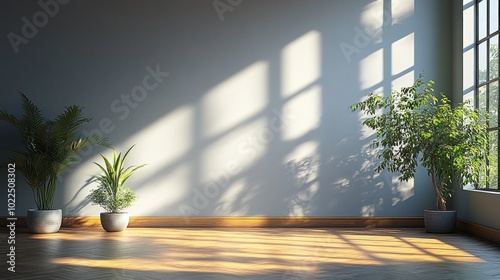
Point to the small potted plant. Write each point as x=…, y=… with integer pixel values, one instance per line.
x=111, y=194
x=414, y=127
x=49, y=147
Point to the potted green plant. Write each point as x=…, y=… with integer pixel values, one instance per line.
x=414, y=127
x=49, y=147
x=111, y=193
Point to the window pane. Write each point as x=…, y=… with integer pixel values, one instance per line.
x=493, y=57
x=468, y=31
x=483, y=182
x=493, y=109
x=493, y=16
x=469, y=97
x=483, y=58
x=493, y=161
x=482, y=19
x=482, y=101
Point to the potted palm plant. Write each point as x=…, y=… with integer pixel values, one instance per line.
x=49, y=148
x=111, y=193
x=414, y=127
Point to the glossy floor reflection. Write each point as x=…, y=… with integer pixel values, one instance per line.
x=281, y=253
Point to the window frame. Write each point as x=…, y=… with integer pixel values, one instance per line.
x=487, y=83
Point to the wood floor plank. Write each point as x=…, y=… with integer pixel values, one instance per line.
x=250, y=253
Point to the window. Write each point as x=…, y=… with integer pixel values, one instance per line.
x=486, y=82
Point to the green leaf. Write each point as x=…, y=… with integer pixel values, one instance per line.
x=50, y=146
x=416, y=128
x=110, y=194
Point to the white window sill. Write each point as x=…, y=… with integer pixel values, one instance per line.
x=483, y=191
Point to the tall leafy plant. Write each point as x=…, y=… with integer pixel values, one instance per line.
x=415, y=127
x=49, y=147
x=111, y=193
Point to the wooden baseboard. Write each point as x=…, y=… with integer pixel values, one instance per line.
x=479, y=230
x=255, y=222
x=262, y=222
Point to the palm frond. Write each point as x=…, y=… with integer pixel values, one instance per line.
x=67, y=123
x=11, y=119
x=50, y=146
x=32, y=116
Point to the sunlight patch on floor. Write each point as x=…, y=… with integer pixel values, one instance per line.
x=252, y=251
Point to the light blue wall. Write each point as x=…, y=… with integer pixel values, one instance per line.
x=252, y=118
x=472, y=206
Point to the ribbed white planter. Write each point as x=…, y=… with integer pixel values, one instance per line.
x=440, y=221
x=114, y=221
x=44, y=221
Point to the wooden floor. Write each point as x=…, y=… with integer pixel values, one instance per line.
x=282, y=253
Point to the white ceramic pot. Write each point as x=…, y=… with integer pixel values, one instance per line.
x=114, y=221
